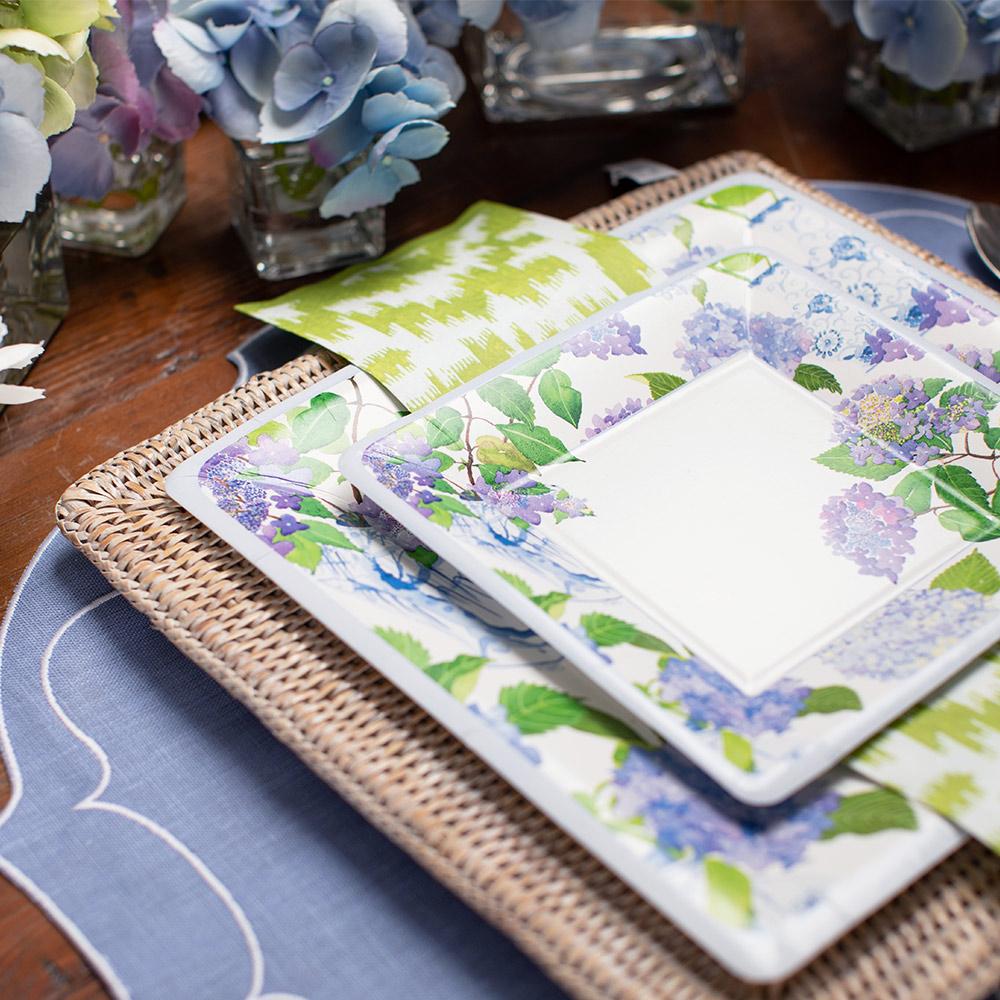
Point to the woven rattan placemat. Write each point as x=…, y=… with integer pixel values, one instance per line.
x=419, y=785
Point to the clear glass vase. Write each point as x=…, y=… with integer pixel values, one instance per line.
x=148, y=192
x=277, y=192
x=912, y=116
x=647, y=56
x=33, y=296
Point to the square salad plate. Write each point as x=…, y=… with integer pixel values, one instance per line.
x=765, y=531
x=761, y=889
x=752, y=208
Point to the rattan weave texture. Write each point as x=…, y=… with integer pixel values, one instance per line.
x=419, y=785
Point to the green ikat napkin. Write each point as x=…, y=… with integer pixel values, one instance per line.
x=946, y=753
x=447, y=306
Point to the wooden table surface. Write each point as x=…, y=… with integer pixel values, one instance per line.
x=145, y=340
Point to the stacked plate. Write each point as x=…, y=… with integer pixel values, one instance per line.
x=665, y=571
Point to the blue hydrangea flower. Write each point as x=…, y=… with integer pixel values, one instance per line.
x=982, y=55
x=691, y=816
x=442, y=21
x=558, y=24
x=719, y=331
x=922, y=39
x=614, y=415
x=907, y=633
x=243, y=499
x=611, y=337
x=513, y=496
x=869, y=528
x=24, y=154
x=709, y=699
x=405, y=466
x=981, y=359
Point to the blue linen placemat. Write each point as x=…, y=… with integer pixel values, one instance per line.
x=185, y=850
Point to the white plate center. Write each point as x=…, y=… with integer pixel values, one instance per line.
x=707, y=512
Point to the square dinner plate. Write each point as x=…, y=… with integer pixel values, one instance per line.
x=762, y=890
x=754, y=513
x=752, y=208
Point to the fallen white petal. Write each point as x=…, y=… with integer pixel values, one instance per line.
x=19, y=355
x=11, y=395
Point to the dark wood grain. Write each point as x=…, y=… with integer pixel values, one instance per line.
x=145, y=341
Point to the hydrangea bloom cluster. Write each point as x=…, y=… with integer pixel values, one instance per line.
x=243, y=499
x=614, y=415
x=719, y=331
x=138, y=97
x=935, y=306
x=907, y=633
x=691, y=815
x=349, y=75
x=978, y=358
x=882, y=345
x=407, y=467
x=612, y=337
x=709, y=699
x=515, y=500
x=893, y=418
x=384, y=525
x=869, y=528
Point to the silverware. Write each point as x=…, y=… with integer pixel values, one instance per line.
x=983, y=223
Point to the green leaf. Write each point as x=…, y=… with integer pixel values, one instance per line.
x=558, y=394
x=736, y=196
x=835, y=698
x=814, y=377
x=606, y=630
x=305, y=552
x=424, y=556
x=737, y=263
x=458, y=675
x=660, y=383
x=915, y=491
x=414, y=650
x=683, y=231
x=592, y=720
x=520, y=585
x=445, y=461
x=871, y=812
x=699, y=290
x=972, y=527
x=840, y=460
x=311, y=507
x=452, y=505
x=319, y=472
x=992, y=438
x=730, y=893
x=932, y=386
x=536, y=443
x=536, y=365
x=327, y=534
x=321, y=424
x=553, y=602
x=737, y=750
x=444, y=428
x=272, y=429
x=492, y=450
x=974, y=572
x=957, y=486
x=974, y=391
x=505, y=395
x=646, y=641
x=534, y=708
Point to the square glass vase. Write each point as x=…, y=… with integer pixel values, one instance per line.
x=148, y=191
x=277, y=192
x=913, y=116
x=33, y=296
x=646, y=56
